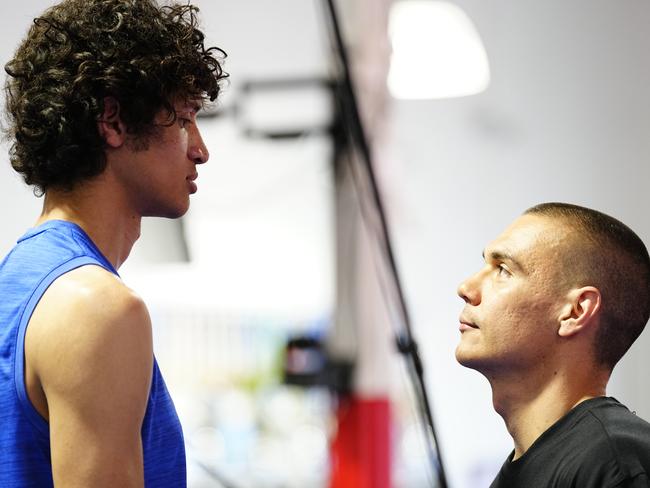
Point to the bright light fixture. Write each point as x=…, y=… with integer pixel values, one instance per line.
x=437, y=52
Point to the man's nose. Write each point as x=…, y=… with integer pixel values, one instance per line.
x=469, y=290
x=198, y=152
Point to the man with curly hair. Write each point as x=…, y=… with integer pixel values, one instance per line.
x=102, y=97
x=563, y=294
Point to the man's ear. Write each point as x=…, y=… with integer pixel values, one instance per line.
x=110, y=125
x=581, y=311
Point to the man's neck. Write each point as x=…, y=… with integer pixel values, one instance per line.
x=101, y=213
x=529, y=407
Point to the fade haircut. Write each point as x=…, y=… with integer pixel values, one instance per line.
x=80, y=52
x=607, y=254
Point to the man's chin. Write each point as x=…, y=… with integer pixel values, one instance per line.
x=169, y=212
x=466, y=358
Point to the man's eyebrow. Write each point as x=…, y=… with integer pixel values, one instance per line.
x=193, y=106
x=505, y=257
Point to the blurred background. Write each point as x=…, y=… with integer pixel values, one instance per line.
x=493, y=107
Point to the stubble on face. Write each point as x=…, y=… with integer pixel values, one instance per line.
x=514, y=300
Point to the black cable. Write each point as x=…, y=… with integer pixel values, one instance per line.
x=388, y=297
x=406, y=342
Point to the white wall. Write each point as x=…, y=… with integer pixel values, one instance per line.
x=566, y=118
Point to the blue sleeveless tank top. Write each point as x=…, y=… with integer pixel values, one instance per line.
x=40, y=256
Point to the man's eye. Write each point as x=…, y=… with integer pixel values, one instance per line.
x=503, y=271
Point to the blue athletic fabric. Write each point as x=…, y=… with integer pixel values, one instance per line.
x=40, y=256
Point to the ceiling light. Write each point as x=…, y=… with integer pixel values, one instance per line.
x=437, y=52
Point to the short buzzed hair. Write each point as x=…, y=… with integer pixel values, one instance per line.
x=606, y=254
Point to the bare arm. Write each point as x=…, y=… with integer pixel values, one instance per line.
x=89, y=349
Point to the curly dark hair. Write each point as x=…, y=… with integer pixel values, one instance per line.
x=79, y=52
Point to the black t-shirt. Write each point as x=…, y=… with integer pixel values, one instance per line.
x=598, y=444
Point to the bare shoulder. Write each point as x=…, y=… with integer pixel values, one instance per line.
x=93, y=289
x=89, y=294
x=87, y=317
x=89, y=361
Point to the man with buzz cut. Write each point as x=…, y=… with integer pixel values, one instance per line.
x=563, y=294
x=102, y=97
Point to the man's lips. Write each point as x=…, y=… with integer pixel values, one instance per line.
x=466, y=324
x=192, y=183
